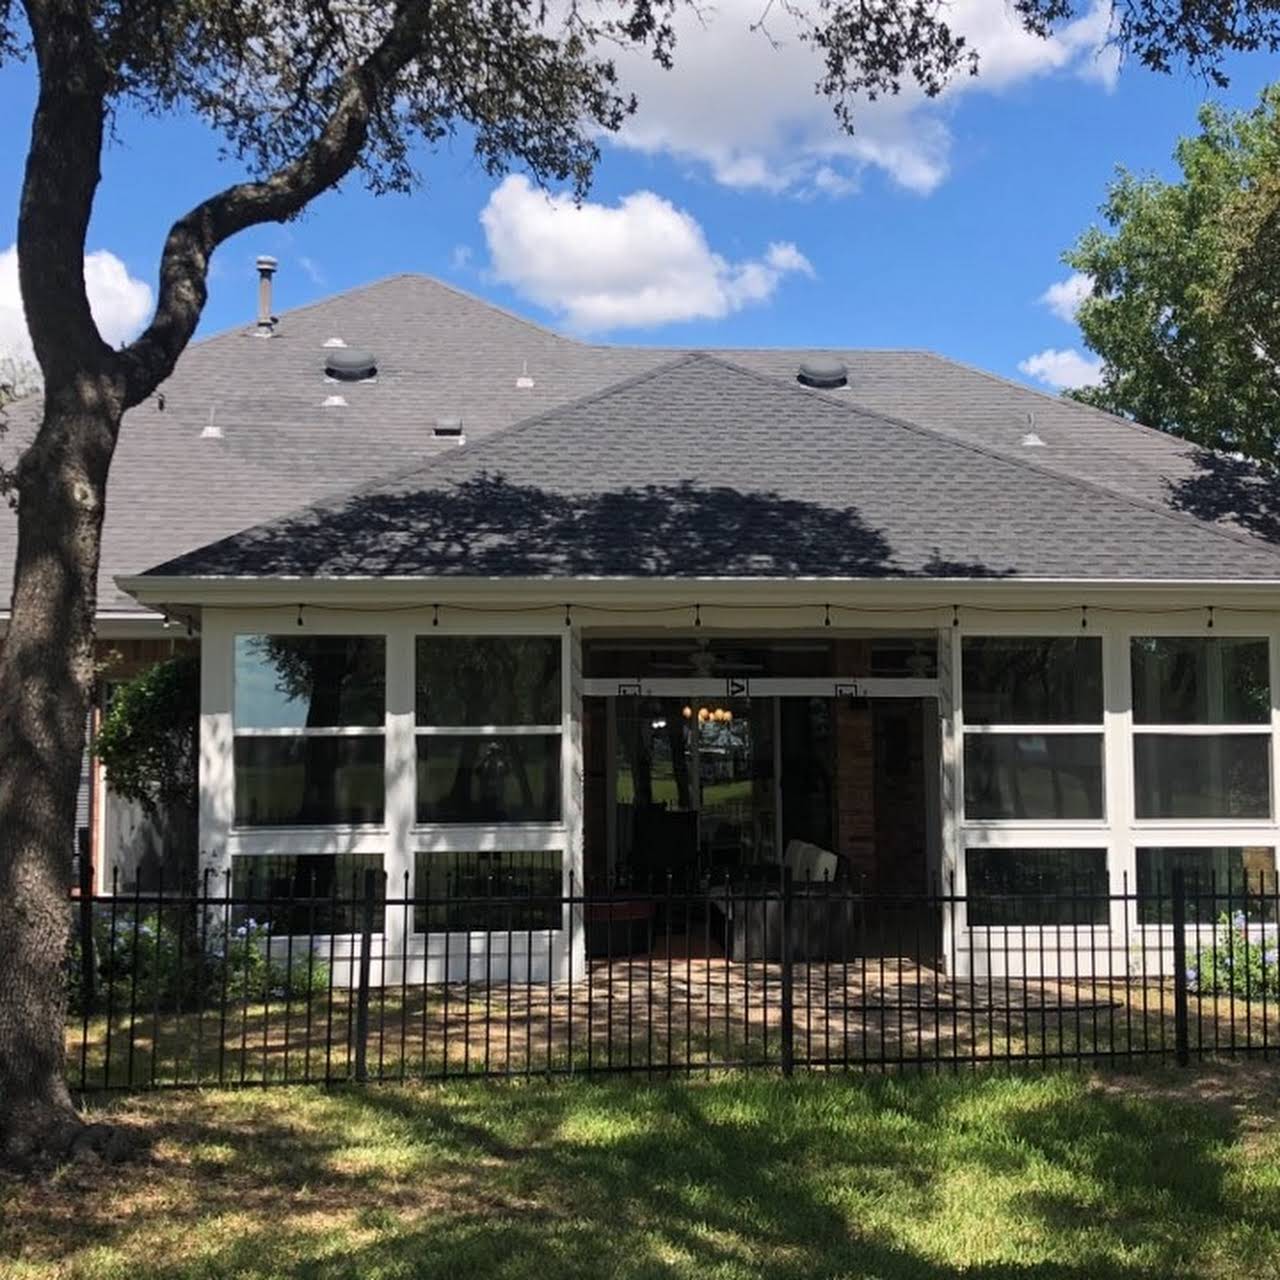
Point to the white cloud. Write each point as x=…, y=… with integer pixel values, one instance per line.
x=1064, y=297
x=638, y=263
x=460, y=258
x=121, y=305
x=311, y=269
x=745, y=106
x=1062, y=370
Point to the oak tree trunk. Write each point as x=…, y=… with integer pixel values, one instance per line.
x=45, y=681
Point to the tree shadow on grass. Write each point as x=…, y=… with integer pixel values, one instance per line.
x=976, y=1177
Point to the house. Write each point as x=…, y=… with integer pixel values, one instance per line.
x=473, y=598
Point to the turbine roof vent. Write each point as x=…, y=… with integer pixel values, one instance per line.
x=823, y=374
x=349, y=364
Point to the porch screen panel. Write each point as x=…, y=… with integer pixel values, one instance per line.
x=489, y=731
x=1202, y=727
x=309, y=717
x=1032, y=708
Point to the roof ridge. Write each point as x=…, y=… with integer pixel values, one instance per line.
x=1090, y=486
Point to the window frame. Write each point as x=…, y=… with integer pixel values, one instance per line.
x=1143, y=828
x=975, y=825
x=559, y=730
x=322, y=631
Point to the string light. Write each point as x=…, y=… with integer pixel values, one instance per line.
x=299, y=615
x=955, y=615
x=435, y=615
x=826, y=617
x=1209, y=623
x=568, y=615
x=1084, y=617
x=697, y=615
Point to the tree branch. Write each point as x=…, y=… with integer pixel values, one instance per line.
x=58, y=188
x=184, y=265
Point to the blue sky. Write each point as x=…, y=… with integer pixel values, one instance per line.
x=941, y=226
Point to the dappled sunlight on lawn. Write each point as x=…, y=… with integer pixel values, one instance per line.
x=1046, y=1176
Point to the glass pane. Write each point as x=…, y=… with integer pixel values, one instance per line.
x=1033, y=775
x=1218, y=882
x=306, y=893
x=488, y=680
x=1032, y=679
x=1200, y=680
x=310, y=682
x=482, y=778
x=1225, y=775
x=294, y=781
x=491, y=891
x=1037, y=886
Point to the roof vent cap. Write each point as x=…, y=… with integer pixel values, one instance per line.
x=447, y=429
x=348, y=364
x=524, y=381
x=823, y=374
x=334, y=402
x=334, y=342
x=1032, y=441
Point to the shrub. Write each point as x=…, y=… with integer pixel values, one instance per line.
x=1235, y=963
x=153, y=958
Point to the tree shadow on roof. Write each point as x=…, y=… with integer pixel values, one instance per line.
x=1229, y=490
x=489, y=527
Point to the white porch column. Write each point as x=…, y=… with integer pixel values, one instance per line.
x=402, y=789
x=217, y=745
x=950, y=800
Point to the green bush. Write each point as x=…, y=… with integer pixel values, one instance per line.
x=1236, y=964
x=165, y=962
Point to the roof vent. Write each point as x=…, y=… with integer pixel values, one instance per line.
x=1032, y=441
x=524, y=381
x=448, y=429
x=211, y=430
x=334, y=402
x=334, y=342
x=823, y=375
x=347, y=364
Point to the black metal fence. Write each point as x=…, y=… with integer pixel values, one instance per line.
x=241, y=983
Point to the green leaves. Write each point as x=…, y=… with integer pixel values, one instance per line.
x=1186, y=304
x=147, y=742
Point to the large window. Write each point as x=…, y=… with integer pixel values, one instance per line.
x=1033, y=745
x=488, y=729
x=1012, y=887
x=1202, y=727
x=1218, y=881
x=309, y=730
x=497, y=891
x=304, y=894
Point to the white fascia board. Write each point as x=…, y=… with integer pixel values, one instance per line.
x=118, y=624
x=374, y=592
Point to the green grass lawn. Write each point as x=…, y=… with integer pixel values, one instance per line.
x=1038, y=1177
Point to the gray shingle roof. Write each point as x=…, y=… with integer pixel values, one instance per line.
x=702, y=468
x=442, y=352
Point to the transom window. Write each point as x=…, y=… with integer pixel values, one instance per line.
x=1202, y=727
x=309, y=717
x=1033, y=744
x=488, y=711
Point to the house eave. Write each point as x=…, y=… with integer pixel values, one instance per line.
x=172, y=593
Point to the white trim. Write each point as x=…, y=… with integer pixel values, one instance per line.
x=748, y=686
x=487, y=730
x=1036, y=730
x=316, y=731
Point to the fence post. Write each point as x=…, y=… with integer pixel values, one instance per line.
x=362, y=981
x=87, y=975
x=1181, y=1037
x=788, y=995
